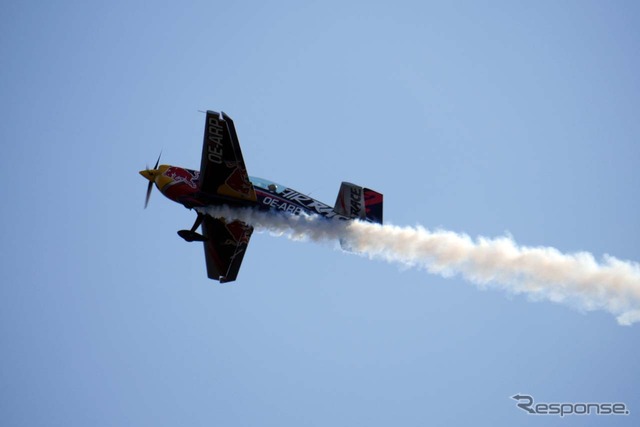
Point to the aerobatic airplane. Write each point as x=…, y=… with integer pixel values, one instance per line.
x=223, y=180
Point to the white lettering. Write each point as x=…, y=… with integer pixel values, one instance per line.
x=215, y=136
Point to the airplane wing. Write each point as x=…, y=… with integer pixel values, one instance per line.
x=225, y=247
x=222, y=169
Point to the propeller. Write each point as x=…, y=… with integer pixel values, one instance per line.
x=150, y=175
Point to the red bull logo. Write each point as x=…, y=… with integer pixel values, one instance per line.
x=371, y=198
x=240, y=231
x=183, y=175
x=238, y=181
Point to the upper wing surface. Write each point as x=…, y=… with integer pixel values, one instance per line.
x=222, y=169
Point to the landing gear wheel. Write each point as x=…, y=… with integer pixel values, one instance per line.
x=191, y=236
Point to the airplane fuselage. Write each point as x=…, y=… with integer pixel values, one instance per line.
x=181, y=186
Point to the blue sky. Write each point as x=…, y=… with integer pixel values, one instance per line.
x=478, y=118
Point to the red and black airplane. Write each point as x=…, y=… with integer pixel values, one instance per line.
x=223, y=180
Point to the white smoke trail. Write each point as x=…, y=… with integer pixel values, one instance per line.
x=540, y=272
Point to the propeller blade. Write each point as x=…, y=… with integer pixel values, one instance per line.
x=149, y=188
x=151, y=179
x=157, y=161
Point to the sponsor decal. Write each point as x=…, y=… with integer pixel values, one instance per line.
x=182, y=175
x=239, y=231
x=309, y=203
x=238, y=179
x=356, y=202
x=371, y=198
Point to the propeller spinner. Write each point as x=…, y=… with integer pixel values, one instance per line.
x=150, y=174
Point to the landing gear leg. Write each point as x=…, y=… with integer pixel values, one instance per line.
x=191, y=235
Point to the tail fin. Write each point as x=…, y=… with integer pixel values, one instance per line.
x=356, y=202
x=373, y=205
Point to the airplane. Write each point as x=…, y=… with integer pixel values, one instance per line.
x=223, y=180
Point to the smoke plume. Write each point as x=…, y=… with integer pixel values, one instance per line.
x=542, y=273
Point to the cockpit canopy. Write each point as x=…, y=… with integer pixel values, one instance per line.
x=265, y=184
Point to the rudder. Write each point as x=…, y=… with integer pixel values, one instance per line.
x=357, y=202
x=373, y=205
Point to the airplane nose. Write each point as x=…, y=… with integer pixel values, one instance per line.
x=148, y=174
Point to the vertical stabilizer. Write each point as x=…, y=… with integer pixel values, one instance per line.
x=357, y=202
